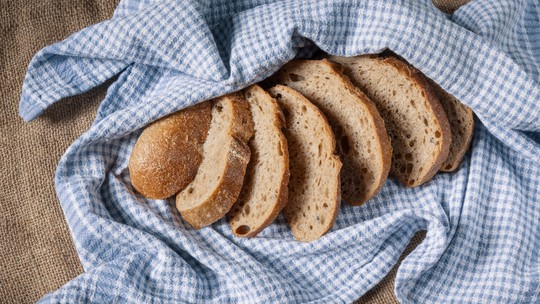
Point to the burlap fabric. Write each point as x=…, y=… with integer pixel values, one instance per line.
x=36, y=251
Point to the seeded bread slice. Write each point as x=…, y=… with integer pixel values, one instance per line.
x=414, y=117
x=264, y=193
x=225, y=157
x=363, y=143
x=168, y=153
x=314, y=186
x=461, y=122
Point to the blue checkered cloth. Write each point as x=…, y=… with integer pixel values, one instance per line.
x=483, y=221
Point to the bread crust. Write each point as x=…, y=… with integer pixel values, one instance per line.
x=168, y=152
x=225, y=194
x=451, y=165
x=283, y=191
x=442, y=122
x=458, y=148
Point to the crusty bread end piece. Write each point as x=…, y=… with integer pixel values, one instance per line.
x=168, y=153
x=414, y=117
x=225, y=157
x=363, y=143
x=264, y=193
x=461, y=121
x=314, y=186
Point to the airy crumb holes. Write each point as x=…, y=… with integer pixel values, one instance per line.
x=242, y=230
x=295, y=77
x=408, y=156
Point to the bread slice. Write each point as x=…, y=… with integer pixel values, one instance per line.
x=168, y=152
x=264, y=193
x=314, y=186
x=363, y=144
x=225, y=157
x=461, y=120
x=414, y=118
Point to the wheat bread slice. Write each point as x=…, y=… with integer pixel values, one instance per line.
x=264, y=193
x=314, y=185
x=414, y=117
x=168, y=152
x=461, y=120
x=225, y=157
x=362, y=141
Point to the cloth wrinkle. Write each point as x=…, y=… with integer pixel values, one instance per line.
x=167, y=55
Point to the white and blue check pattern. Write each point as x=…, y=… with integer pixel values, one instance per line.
x=483, y=221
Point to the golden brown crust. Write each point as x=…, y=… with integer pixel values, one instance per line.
x=168, y=152
x=442, y=122
x=281, y=201
x=230, y=184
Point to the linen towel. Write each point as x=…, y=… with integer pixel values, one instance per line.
x=482, y=222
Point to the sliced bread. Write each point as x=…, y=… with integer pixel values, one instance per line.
x=225, y=157
x=314, y=186
x=363, y=143
x=461, y=122
x=264, y=193
x=167, y=154
x=414, y=117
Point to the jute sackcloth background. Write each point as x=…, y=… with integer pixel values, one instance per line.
x=37, y=254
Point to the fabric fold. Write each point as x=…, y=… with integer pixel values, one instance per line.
x=482, y=221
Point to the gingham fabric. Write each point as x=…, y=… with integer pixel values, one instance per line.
x=483, y=221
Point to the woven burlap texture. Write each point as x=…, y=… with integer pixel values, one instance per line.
x=37, y=254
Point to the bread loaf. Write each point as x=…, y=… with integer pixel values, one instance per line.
x=221, y=172
x=264, y=193
x=168, y=153
x=314, y=186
